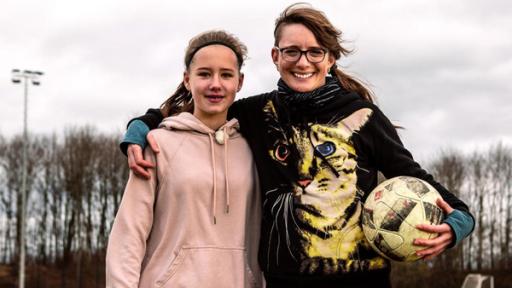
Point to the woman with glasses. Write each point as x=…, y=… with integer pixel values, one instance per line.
x=318, y=142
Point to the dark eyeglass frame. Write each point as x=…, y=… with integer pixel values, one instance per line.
x=302, y=52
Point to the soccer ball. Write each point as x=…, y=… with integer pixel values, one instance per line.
x=391, y=213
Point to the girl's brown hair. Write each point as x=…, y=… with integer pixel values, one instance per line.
x=327, y=36
x=181, y=99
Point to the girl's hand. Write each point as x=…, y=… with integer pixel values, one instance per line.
x=136, y=161
x=436, y=246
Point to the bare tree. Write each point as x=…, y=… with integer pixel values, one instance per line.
x=78, y=160
x=500, y=160
x=506, y=248
x=6, y=207
x=449, y=169
x=112, y=174
x=12, y=172
x=477, y=165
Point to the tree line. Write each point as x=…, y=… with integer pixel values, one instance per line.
x=483, y=179
x=75, y=184
x=76, y=181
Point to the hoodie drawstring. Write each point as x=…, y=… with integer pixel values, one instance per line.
x=222, y=140
x=212, y=148
x=226, y=172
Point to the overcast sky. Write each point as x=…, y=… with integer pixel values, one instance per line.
x=441, y=69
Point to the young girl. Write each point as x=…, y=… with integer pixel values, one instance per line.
x=318, y=142
x=196, y=222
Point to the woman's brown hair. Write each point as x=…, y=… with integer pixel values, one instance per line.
x=327, y=36
x=181, y=99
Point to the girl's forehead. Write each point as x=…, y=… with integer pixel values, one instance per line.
x=215, y=54
x=297, y=35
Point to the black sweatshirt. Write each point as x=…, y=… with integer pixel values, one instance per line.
x=317, y=165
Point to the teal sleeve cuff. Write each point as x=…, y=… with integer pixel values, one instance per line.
x=461, y=223
x=135, y=134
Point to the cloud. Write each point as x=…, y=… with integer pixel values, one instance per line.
x=439, y=68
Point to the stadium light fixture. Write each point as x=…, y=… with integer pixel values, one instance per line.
x=25, y=76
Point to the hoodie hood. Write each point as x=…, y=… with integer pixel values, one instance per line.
x=188, y=122
x=185, y=121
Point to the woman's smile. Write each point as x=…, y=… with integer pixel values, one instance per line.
x=303, y=75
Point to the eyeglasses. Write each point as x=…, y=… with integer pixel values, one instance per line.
x=292, y=54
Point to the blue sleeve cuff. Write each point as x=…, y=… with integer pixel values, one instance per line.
x=135, y=134
x=462, y=225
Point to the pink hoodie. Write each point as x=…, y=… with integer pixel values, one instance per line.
x=196, y=222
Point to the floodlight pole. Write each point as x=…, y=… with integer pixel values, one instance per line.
x=17, y=77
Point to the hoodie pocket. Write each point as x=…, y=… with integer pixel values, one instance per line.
x=208, y=267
